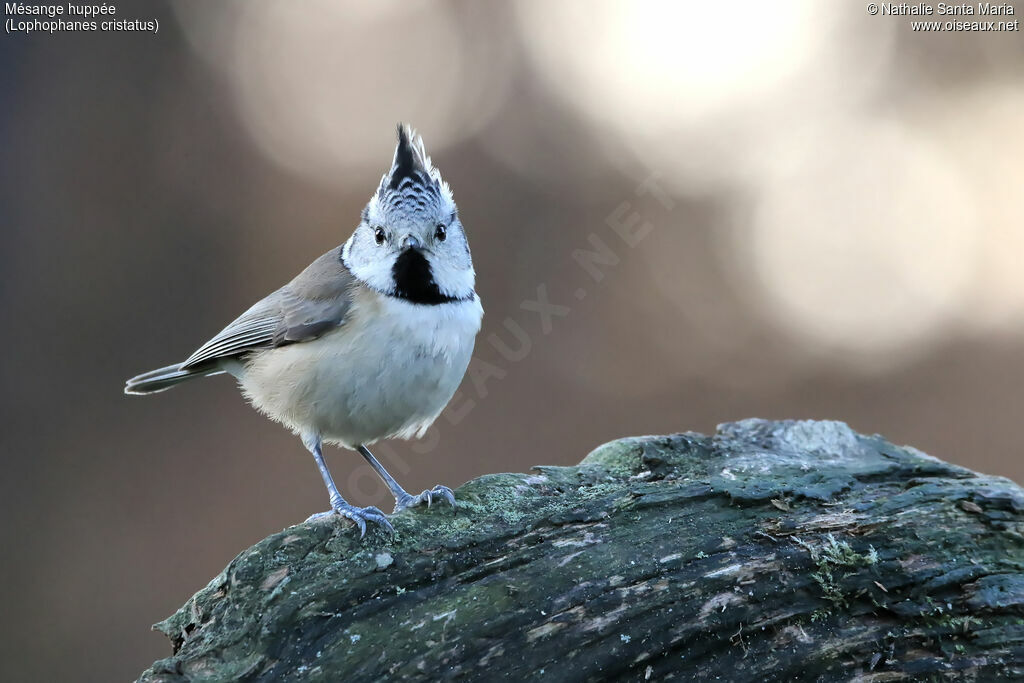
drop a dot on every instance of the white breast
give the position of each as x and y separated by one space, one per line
388 371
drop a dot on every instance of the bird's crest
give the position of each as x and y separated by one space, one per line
411 165
411 158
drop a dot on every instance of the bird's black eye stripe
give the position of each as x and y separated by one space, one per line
440 233
379 235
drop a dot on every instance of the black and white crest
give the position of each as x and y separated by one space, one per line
412 184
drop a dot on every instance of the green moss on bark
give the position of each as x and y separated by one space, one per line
768 551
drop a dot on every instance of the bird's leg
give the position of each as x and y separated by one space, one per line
403 499
339 505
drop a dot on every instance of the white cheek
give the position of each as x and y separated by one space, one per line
376 273
453 280
372 266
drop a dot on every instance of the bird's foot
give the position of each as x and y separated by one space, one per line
440 492
358 515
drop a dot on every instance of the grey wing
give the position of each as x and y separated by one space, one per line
304 309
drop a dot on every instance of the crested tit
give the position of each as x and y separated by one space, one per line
370 341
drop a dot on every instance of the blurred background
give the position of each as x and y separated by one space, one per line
783 210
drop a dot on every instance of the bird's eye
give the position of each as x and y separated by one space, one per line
379 235
440 233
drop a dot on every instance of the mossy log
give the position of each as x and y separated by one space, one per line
771 551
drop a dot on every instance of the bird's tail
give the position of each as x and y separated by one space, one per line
162 379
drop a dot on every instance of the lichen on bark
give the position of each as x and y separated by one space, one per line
794 550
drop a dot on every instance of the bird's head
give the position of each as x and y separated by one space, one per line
410 242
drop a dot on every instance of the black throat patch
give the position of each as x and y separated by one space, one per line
414 281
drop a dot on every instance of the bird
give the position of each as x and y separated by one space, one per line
369 342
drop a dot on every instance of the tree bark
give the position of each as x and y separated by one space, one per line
771 551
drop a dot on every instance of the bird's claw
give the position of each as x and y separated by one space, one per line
439 491
360 516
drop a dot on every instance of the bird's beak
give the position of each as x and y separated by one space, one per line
410 242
